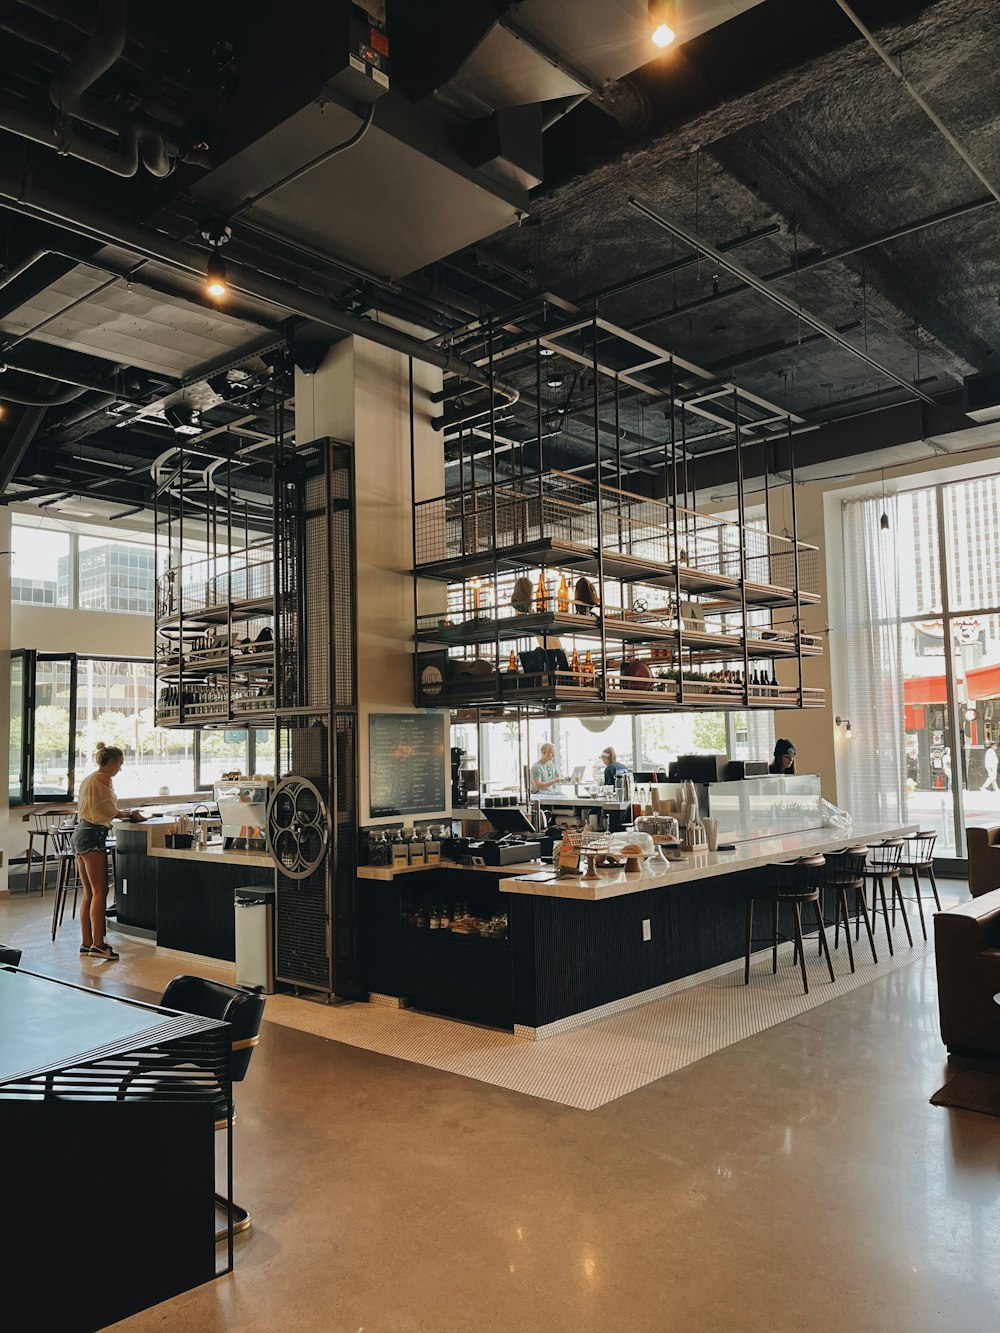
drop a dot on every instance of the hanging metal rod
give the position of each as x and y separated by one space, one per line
677 265
786 303
928 110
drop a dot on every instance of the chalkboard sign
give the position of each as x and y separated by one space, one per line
406 763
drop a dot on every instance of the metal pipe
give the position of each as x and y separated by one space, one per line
26 193
786 303
676 265
820 258
40 399
928 111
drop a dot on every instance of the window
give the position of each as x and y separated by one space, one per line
69 569
39 566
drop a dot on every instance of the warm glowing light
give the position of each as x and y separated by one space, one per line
663 35
215 276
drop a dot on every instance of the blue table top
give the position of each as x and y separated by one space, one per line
46 1024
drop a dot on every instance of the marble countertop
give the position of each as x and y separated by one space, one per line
613 883
388 873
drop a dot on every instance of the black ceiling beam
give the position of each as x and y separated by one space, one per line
786 303
677 265
19 443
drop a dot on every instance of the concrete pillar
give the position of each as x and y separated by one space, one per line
5 647
360 395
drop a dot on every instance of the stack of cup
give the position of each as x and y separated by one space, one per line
711 827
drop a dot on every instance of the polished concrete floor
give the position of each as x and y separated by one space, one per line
797 1180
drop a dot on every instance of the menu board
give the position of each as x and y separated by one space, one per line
406 763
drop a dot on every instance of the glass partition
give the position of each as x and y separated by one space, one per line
766 807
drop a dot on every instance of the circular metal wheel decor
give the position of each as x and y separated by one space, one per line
298 827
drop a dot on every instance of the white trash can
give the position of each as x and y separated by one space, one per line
254 910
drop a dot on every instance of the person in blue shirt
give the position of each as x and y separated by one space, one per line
611 766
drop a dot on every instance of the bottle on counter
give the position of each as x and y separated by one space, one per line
434 917
399 854
416 854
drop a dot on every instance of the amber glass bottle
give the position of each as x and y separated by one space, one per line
562 596
541 593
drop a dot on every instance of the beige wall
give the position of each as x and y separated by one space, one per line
90 633
360 395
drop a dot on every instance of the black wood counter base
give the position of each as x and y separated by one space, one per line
561 956
187 903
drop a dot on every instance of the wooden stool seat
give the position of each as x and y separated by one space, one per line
794 883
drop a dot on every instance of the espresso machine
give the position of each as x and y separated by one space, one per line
459 799
242 806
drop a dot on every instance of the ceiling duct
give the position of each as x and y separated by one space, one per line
982 396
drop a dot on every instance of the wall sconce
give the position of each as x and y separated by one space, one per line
845 722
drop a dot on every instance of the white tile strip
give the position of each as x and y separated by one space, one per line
589 1066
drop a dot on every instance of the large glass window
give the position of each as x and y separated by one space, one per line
40 566
16 775
923 650
52 774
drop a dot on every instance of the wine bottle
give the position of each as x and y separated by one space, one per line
562 596
541 593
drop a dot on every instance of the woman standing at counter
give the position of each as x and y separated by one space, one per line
784 758
98 805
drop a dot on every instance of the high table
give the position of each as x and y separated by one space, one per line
110 1164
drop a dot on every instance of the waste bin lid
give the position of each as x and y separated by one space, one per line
254 893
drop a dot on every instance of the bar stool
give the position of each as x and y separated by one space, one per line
795 883
918 854
885 861
45 821
68 877
845 871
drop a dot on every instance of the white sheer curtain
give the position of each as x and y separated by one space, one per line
877 768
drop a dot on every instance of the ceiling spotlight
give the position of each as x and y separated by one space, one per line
554 381
546 351
215 276
217 232
182 418
661 16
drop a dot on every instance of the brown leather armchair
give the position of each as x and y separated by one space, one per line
967 953
984 859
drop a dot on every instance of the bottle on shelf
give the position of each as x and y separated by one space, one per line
541 593
588 664
574 665
562 595
512 663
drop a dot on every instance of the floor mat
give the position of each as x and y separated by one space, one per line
972 1090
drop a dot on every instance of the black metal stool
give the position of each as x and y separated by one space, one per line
46 822
885 860
918 854
845 871
795 883
68 877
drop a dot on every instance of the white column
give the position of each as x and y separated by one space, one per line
360 395
5 646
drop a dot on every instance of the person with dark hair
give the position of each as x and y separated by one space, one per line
611 765
784 758
97 806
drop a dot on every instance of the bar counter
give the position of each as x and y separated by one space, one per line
571 946
189 907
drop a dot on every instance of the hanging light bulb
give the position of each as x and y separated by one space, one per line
661 17
215 276
884 520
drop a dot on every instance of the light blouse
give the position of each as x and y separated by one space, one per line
97 802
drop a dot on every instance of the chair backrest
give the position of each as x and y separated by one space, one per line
845 867
799 877
887 856
240 1006
9 956
47 820
920 848
62 841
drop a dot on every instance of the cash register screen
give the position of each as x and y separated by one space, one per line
508 819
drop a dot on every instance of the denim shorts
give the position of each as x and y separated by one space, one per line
89 837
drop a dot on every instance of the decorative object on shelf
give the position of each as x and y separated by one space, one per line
541 593
512 667
562 595
521 596
637 674
431 679
471 668
586 598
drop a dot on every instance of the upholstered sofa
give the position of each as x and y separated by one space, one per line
967 951
984 859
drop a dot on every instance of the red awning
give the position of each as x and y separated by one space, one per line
980 683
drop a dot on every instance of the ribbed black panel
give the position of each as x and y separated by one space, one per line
317 920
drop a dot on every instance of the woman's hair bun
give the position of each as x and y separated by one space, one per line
101 745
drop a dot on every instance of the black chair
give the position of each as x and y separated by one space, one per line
918 854
243 1008
9 956
68 877
885 861
792 883
844 873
